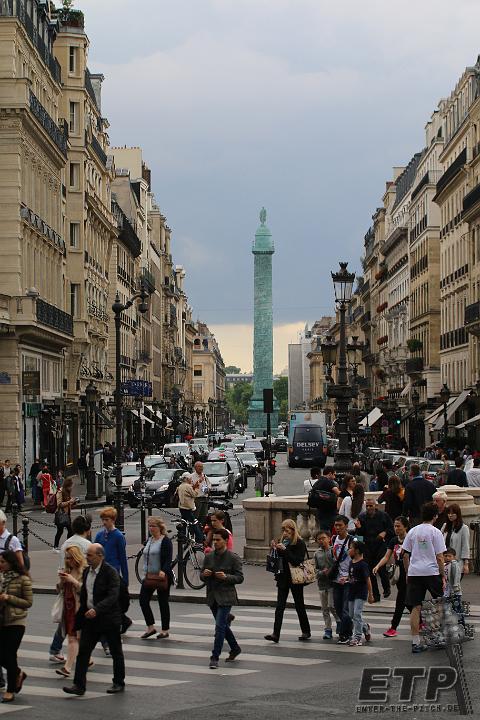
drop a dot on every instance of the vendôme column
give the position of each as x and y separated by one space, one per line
263 249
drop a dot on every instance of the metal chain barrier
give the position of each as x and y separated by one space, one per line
32 532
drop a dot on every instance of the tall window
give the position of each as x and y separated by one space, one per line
75 175
72 59
197 370
74 234
74 118
74 299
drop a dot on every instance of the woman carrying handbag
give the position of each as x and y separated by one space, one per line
69 587
292 552
157 566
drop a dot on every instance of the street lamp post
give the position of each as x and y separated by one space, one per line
139 405
415 399
91 397
155 408
118 308
341 391
445 397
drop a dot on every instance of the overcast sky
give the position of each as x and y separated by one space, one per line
302 106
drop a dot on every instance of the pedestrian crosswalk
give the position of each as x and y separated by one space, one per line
182 659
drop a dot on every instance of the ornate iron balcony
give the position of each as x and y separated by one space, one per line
472 318
54 317
53 131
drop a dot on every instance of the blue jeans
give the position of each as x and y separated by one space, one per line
222 630
340 601
57 642
355 609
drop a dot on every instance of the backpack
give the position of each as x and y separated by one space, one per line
320 498
51 506
373 487
26 559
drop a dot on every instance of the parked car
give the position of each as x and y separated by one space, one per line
250 461
130 473
280 443
160 488
221 478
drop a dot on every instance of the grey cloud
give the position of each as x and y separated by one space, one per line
300 105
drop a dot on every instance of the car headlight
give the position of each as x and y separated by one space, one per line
162 488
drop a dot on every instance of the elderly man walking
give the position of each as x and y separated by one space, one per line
200 481
99 615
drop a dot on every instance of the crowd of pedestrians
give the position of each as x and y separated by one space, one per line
410 530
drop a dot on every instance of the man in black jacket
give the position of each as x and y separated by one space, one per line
376 527
458 476
418 492
99 615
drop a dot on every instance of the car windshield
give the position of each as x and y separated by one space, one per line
163 475
215 469
175 449
234 465
130 471
253 445
247 456
154 460
308 433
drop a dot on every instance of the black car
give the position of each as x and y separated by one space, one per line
280 443
256 447
240 472
160 488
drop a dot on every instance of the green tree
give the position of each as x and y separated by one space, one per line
232 370
280 390
238 397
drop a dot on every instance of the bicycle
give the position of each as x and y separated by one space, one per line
192 561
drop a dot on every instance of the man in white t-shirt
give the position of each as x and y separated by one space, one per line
9 541
473 475
339 577
423 550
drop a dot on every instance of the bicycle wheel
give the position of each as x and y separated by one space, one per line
139 566
192 566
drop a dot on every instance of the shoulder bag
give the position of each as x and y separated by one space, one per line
57 609
274 563
332 573
153 581
305 573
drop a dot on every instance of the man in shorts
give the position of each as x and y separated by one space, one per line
423 550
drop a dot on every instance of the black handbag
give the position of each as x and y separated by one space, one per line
274 563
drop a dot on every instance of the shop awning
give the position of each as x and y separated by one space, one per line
473 421
372 417
104 420
406 389
159 415
408 414
451 409
430 419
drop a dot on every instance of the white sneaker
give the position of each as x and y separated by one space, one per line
56 550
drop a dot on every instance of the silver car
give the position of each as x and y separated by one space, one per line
221 478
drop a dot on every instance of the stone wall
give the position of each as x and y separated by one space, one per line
264 517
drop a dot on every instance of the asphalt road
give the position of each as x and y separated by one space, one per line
286 481
168 679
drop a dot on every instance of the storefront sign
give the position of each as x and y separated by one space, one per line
137 388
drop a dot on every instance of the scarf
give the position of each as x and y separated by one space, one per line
5 579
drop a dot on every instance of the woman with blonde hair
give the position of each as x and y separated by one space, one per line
70 584
292 551
158 576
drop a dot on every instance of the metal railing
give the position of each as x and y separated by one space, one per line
54 317
48 124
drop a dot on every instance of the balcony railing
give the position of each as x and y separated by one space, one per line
99 151
452 171
18 9
414 365
97 312
48 124
148 278
471 198
54 317
472 318
366 318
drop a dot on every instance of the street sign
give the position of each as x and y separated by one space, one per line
137 388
